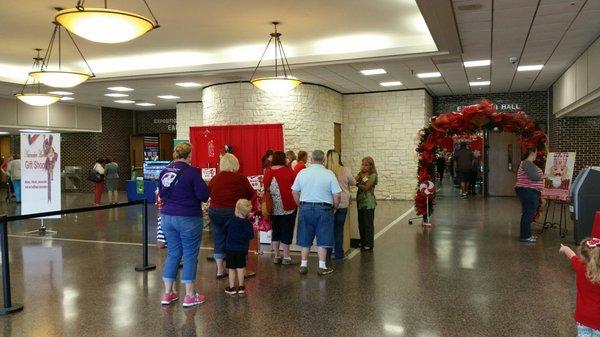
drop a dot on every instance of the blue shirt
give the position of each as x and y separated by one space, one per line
182 197
239 233
316 184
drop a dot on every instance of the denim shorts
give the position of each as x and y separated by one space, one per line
315 220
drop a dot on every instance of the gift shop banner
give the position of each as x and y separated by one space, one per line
559 175
248 142
40 173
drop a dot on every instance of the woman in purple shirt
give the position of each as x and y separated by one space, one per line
181 190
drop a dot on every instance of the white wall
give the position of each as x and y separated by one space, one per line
384 126
381 125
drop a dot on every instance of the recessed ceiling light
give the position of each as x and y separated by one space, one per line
479 83
124 101
4 132
477 63
429 75
34 131
168 97
145 104
62 93
369 72
532 67
120 89
189 84
116 94
390 84
66 98
478 78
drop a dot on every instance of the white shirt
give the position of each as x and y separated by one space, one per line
316 184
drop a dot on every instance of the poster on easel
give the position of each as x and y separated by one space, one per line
40 173
559 175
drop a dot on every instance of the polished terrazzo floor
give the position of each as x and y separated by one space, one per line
468 276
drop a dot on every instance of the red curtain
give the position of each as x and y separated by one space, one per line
249 142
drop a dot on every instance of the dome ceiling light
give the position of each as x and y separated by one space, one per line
105 25
36 97
277 84
60 78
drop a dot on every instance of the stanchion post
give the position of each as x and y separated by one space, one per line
8 307
145 265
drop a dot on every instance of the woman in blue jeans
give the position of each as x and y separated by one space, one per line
345 179
226 188
530 181
181 190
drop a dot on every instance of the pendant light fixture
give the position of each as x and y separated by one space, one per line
60 78
105 25
36 97
279 83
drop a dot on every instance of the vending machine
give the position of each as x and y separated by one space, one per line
585 201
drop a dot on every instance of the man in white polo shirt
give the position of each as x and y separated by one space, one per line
317 192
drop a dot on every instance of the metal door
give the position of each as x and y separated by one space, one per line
504 157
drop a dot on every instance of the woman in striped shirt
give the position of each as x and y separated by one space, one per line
530 181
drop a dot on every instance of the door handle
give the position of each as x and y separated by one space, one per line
510 156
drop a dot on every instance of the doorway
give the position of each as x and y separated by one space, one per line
503 159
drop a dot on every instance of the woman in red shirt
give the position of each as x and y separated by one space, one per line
587 269
301 164
278 180
225 188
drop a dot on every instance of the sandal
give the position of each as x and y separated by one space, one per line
222 276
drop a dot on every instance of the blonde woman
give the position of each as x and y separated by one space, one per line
366 180
181 190
226 188
345 179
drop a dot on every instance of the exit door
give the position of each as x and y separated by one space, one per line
504 157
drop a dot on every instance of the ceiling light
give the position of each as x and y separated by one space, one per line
105 25
189 84
390 84
35 131
62 93
168 97
4 133
479 83
36 98
369 72
60 78
66 98
145 104
478 63
429 75
279 83
116 94
532 67
120 89
124 101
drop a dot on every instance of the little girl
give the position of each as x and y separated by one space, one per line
587 269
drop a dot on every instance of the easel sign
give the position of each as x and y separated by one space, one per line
559 175
256 182
209 173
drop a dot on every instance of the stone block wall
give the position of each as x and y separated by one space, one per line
307 113
384 126
188 114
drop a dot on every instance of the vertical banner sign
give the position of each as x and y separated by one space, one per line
559 175
40 173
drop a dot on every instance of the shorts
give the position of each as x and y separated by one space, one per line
283 228
463 176
235 260
315 220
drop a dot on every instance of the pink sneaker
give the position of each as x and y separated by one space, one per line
169 298
196 299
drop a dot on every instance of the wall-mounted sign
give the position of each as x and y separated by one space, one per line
501 105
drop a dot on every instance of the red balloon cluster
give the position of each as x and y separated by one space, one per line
471 119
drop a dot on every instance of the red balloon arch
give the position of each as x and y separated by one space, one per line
470 119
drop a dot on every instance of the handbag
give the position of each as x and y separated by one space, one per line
267 203
94 176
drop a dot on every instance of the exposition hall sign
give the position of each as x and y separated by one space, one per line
501 106
40 172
